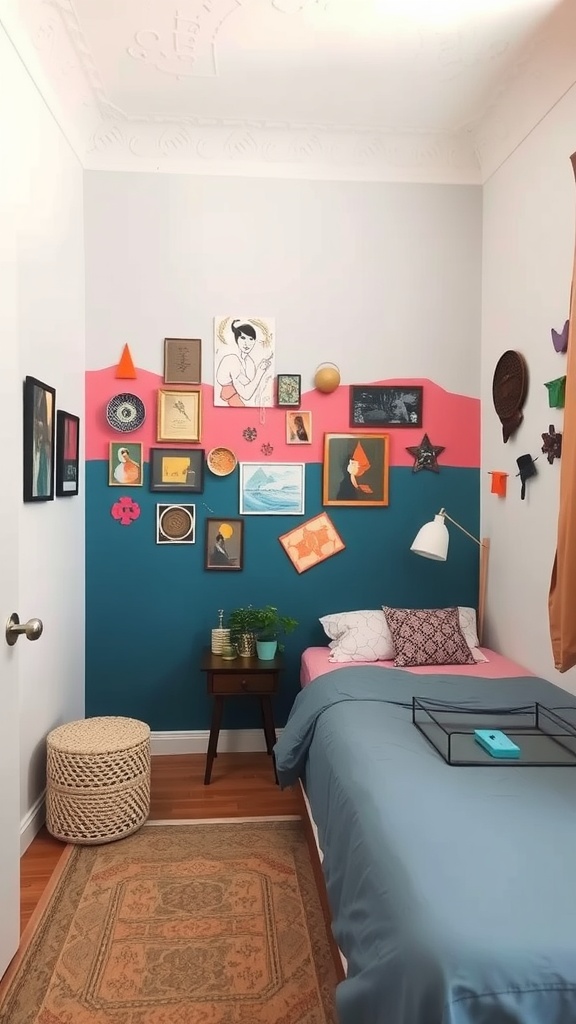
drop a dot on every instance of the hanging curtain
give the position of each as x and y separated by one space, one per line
562 598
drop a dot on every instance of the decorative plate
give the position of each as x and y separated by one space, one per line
176 522
509 387
221 461
125 412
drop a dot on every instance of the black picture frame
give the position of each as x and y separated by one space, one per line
289 390
39 437
159 478
383 405
67 454
227 553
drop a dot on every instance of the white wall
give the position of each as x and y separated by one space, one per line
49 280
528 240
384 279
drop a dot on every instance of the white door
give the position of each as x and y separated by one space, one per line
10 503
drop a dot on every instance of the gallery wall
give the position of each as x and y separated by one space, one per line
383 280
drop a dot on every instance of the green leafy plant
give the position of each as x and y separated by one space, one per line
265 623
243 620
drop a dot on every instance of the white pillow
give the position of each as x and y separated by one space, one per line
365 635
358 636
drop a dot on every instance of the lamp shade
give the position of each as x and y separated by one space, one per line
431 541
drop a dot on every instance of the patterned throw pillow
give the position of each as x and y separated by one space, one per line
427 636
358 636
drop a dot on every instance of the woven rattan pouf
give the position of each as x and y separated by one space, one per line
97 779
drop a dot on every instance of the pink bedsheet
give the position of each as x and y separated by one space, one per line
315 663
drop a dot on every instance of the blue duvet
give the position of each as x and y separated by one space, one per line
453 890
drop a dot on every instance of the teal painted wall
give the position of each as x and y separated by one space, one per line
150 608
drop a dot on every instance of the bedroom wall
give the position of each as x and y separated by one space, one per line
528 241
382 279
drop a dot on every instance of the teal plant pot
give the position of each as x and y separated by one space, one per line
266 649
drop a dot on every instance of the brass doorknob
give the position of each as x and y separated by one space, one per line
31 629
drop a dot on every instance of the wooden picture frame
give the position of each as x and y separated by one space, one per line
67 453
299 427
355 469
383 405
182 361
288 389
179 415
125 464
177 470
39 440
224 545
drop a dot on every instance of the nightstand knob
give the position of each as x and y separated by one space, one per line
244 684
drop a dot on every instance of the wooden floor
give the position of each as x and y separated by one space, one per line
242 786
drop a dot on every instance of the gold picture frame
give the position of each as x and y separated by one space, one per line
179 415
355 469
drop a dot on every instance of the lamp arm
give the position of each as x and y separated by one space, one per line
444 513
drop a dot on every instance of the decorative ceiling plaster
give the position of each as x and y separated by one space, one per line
350 89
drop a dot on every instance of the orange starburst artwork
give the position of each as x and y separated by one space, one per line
312 542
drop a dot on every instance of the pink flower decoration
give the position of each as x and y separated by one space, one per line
125 510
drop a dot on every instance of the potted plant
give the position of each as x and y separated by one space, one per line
242 623
258 629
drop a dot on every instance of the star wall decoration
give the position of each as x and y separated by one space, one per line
552 446
425 455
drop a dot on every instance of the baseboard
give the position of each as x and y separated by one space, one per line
196 741
32 822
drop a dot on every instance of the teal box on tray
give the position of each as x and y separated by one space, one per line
497 743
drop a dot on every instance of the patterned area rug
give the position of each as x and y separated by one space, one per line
208 923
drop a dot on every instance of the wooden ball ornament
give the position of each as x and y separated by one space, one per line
327 378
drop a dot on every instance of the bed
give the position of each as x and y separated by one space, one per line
452 890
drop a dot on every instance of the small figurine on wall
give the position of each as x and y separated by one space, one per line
527 469
560 338
552 447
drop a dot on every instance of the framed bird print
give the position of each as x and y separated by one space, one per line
179 415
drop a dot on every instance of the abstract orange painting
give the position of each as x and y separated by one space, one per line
312 542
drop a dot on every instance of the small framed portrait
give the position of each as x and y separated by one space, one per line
288 389
355 469
224 548
179 415
299 427
67 453
272 488
182 361
175 524
39 439
125 464
177 469
375 405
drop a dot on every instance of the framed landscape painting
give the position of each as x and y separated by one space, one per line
272 488
376 405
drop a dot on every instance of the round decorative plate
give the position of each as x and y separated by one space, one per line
221 461
509 387
125 412
176 522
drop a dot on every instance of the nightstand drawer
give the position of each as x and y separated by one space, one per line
243 682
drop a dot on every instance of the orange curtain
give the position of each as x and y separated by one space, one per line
562 597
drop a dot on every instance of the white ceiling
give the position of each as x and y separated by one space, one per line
372 89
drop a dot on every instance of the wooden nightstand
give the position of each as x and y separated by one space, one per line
248 677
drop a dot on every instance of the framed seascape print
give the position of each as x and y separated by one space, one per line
182 361
272 488
299 427
179 415
355 469
376 405
175 524
125 464
177 469
39 438
288 388
224 550
244 349
313 542
67 453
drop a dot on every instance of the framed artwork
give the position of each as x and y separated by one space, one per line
244 361
182 361
272 488
376 405
299 427
311 543
39 438
355 469
224 547
288 388
125 467
175 524
179 415
67 453
177 469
